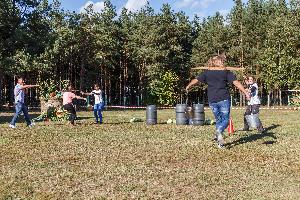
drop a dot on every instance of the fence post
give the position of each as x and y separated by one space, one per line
138 100
124 101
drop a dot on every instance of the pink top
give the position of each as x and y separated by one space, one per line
67 97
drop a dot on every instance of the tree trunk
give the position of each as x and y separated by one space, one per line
241 44
269 98
101 77
106 85
1 89
280 98
82 71
11 91
120 82
241 99
110 89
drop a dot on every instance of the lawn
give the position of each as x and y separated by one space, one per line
122 160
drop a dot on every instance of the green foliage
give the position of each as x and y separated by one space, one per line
50 89
211 39
164 89
52 114
127 54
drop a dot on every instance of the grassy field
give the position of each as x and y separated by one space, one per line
122 160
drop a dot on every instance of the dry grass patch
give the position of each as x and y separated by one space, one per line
122 160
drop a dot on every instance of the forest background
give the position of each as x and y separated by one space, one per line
146 56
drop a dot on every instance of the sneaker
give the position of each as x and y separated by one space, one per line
220 141
214 138
95 122
12 126
31 125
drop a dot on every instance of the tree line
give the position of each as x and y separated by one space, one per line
146 56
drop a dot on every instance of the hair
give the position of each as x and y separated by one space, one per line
254 79
214 61
96 85
71 88
19 77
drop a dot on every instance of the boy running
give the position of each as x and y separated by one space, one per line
19 93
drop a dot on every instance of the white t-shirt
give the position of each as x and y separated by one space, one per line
98 96
254 98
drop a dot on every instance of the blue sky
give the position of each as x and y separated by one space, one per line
202 8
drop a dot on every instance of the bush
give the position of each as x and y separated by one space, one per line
164 88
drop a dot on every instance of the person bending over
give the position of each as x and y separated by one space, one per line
68 97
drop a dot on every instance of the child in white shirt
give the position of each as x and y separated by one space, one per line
98 103
253 103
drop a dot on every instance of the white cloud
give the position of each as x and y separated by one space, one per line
97 7
193 3
135 5
206 3
224 12
186 3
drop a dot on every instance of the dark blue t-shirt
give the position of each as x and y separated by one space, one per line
217 81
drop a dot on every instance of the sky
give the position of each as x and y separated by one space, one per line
203 8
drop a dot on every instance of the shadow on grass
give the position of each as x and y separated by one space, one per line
257 136
7 118
84 117
117 123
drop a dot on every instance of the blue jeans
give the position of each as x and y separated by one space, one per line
221 111
98 111
20 107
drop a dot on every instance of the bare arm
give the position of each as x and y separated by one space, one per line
192 83
241 88
79 97
86 93
28 86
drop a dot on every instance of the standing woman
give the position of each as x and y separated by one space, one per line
253 103
68 97
217 79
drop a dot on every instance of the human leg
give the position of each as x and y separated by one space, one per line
26 115
221 111
215 107
96 113
101 106
18 108
224 114
255 110
216 111
70 108
247 112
